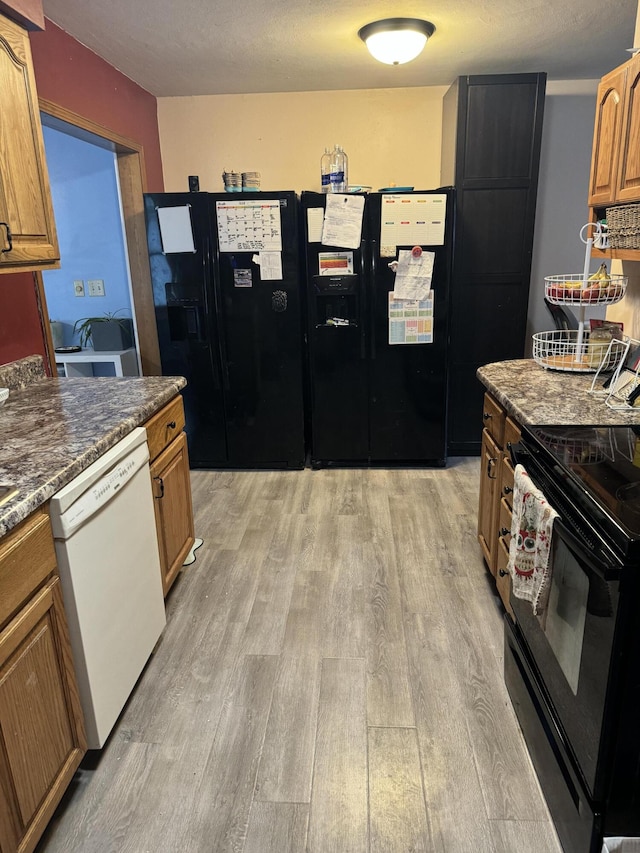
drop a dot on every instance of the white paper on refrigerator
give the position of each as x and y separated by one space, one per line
413 275
343 221
270 266
315 220
176 231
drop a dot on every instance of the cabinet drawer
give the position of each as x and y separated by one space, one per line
504 524
511 433
27 558
506 481
493 417
164 426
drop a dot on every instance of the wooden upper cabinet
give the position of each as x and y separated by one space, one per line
28 237
606 139
628 183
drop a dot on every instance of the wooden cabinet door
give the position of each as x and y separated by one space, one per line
493 418
606 139
173 508
628 182
490 459
28 237
41 726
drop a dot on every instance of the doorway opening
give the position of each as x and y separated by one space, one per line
93 282
131 184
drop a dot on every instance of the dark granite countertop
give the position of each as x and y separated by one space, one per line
540 397
54 428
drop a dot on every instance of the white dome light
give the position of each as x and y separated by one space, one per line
395 41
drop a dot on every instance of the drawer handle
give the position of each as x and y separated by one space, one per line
503 573
171 425
486 416
504 531
507 490
491 462
160 482
9 238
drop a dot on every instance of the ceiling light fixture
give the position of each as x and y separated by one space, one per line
396 40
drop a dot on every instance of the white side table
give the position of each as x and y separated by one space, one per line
124 361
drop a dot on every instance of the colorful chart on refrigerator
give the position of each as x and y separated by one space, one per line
411 320
415 219
249 225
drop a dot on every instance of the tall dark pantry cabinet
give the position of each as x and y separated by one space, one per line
492 128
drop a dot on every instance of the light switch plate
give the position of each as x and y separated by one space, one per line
78 287
96 287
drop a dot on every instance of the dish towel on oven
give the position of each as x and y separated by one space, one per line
531 528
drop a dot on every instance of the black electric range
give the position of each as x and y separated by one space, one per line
573 673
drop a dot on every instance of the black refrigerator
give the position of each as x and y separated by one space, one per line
226 284
378 365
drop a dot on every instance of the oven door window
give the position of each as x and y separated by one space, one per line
570 645
566 613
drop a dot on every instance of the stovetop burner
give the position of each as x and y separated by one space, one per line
604 464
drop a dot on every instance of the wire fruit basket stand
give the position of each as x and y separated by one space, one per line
580 350
576 352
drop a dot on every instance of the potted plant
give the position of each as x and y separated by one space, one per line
107 332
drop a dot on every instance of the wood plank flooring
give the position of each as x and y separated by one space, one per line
329 681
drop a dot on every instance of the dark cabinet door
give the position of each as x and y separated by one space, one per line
494 124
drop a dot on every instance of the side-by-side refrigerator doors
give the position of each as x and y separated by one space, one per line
408 340
260 314
179 243
336 330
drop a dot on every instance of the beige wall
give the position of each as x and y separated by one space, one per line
390 136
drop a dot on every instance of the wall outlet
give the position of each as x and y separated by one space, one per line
96 287
78 287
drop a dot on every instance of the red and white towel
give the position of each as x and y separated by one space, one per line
531 529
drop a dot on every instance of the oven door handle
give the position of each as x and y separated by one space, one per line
597 562
605 565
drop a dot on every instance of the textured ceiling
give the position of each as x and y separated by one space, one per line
199 47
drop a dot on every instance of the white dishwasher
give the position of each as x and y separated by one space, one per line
105 536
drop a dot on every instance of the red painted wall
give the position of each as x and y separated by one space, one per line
73 77
20 330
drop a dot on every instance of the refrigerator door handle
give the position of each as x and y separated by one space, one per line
373 248
217 313
362 300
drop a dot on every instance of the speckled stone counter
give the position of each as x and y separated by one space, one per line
54 428
539 397
19 374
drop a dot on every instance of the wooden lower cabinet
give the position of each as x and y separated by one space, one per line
171 489
503 579
42 737
489 485
496 493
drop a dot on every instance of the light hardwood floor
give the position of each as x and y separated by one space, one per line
329 680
